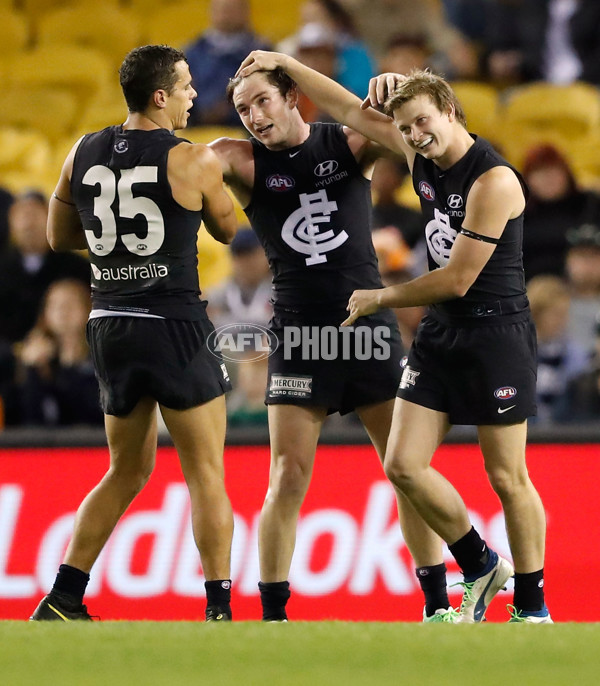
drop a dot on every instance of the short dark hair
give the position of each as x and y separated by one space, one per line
276 77
147 69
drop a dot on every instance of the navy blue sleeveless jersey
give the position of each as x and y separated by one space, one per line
311 209
443 195
142 243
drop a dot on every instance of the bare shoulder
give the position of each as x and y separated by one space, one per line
237 161
232 151
500 179
499 185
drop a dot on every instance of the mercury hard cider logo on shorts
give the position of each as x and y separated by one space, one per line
242 342
290 386
505 392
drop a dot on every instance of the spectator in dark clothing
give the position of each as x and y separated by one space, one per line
556 205
6 200
57 386
582 399
28 266
214 58
550 40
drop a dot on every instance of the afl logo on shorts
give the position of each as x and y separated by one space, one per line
505 393
278 182
121 146
426 190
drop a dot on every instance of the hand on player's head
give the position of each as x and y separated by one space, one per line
380 88
259 60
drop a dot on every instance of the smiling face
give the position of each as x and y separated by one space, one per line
424 128
269 116
181 98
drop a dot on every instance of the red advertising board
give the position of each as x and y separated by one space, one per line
350 562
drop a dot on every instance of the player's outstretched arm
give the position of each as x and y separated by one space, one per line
329 96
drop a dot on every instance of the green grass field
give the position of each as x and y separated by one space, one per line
298 654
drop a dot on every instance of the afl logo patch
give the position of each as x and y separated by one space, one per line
426 190
455 201
278 182
505 393
326 168
121 146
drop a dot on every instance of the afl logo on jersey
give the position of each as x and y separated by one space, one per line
426 190
455 201
505 393
278 182
121 146
326 168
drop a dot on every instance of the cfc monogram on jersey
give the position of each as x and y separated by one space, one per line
306 229
311 208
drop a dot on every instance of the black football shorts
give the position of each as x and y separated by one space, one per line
323 365
480 374
166 359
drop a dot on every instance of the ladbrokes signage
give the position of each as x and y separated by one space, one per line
350 562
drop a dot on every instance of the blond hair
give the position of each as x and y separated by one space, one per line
423 82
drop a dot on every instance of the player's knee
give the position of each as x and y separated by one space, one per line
290 482
398 473
507 484
130 480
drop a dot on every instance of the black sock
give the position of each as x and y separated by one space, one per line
471 553
433 584
529 591
274 597
218 592
71 582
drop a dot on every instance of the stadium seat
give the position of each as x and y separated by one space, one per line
111 30
176 24
82 71
106 108
214 260
24 158
46 108
585 159
14 31
541 112
207 134
480 103
275 24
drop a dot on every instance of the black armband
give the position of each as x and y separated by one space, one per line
479 237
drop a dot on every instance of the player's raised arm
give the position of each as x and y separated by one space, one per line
331 97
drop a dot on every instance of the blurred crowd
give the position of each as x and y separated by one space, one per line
46 376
